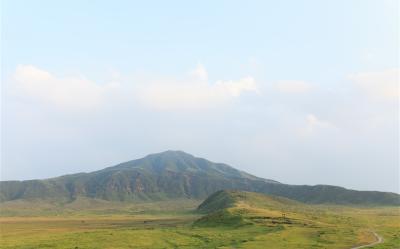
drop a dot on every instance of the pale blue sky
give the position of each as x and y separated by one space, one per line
304 92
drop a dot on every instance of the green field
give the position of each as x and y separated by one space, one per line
247 221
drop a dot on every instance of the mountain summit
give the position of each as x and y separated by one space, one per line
176 174
179 162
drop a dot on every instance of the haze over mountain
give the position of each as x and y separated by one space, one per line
173 175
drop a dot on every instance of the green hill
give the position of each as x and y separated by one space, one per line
237 208
277 222
229 198
177 175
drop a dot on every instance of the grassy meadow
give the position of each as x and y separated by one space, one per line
177 224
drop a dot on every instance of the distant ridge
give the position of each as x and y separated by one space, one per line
176 174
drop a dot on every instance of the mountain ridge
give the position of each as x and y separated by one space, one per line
176 174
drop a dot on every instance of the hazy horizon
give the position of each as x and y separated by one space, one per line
300 92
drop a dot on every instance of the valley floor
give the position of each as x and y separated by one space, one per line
149 227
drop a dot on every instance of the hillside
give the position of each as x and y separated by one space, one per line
224 199
283 223
237 208
177 175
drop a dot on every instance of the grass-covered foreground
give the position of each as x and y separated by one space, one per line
227 220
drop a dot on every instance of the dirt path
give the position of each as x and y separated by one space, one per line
379 240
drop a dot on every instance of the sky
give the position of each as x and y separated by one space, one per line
302 92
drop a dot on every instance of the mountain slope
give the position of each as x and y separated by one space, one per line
171 174
176 174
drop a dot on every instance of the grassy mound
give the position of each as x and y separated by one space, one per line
232 198
222 217
219 200
238 208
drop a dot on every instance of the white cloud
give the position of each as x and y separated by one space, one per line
235 87
200 72
293 86
194 94
74 92
382 84
314 125
78 93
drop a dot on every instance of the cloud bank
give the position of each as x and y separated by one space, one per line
380 84
69 92
293 86
194 92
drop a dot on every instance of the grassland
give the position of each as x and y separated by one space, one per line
247 221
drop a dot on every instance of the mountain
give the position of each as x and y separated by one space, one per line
173 175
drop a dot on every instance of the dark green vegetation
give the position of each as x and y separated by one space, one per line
176 175
227 219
